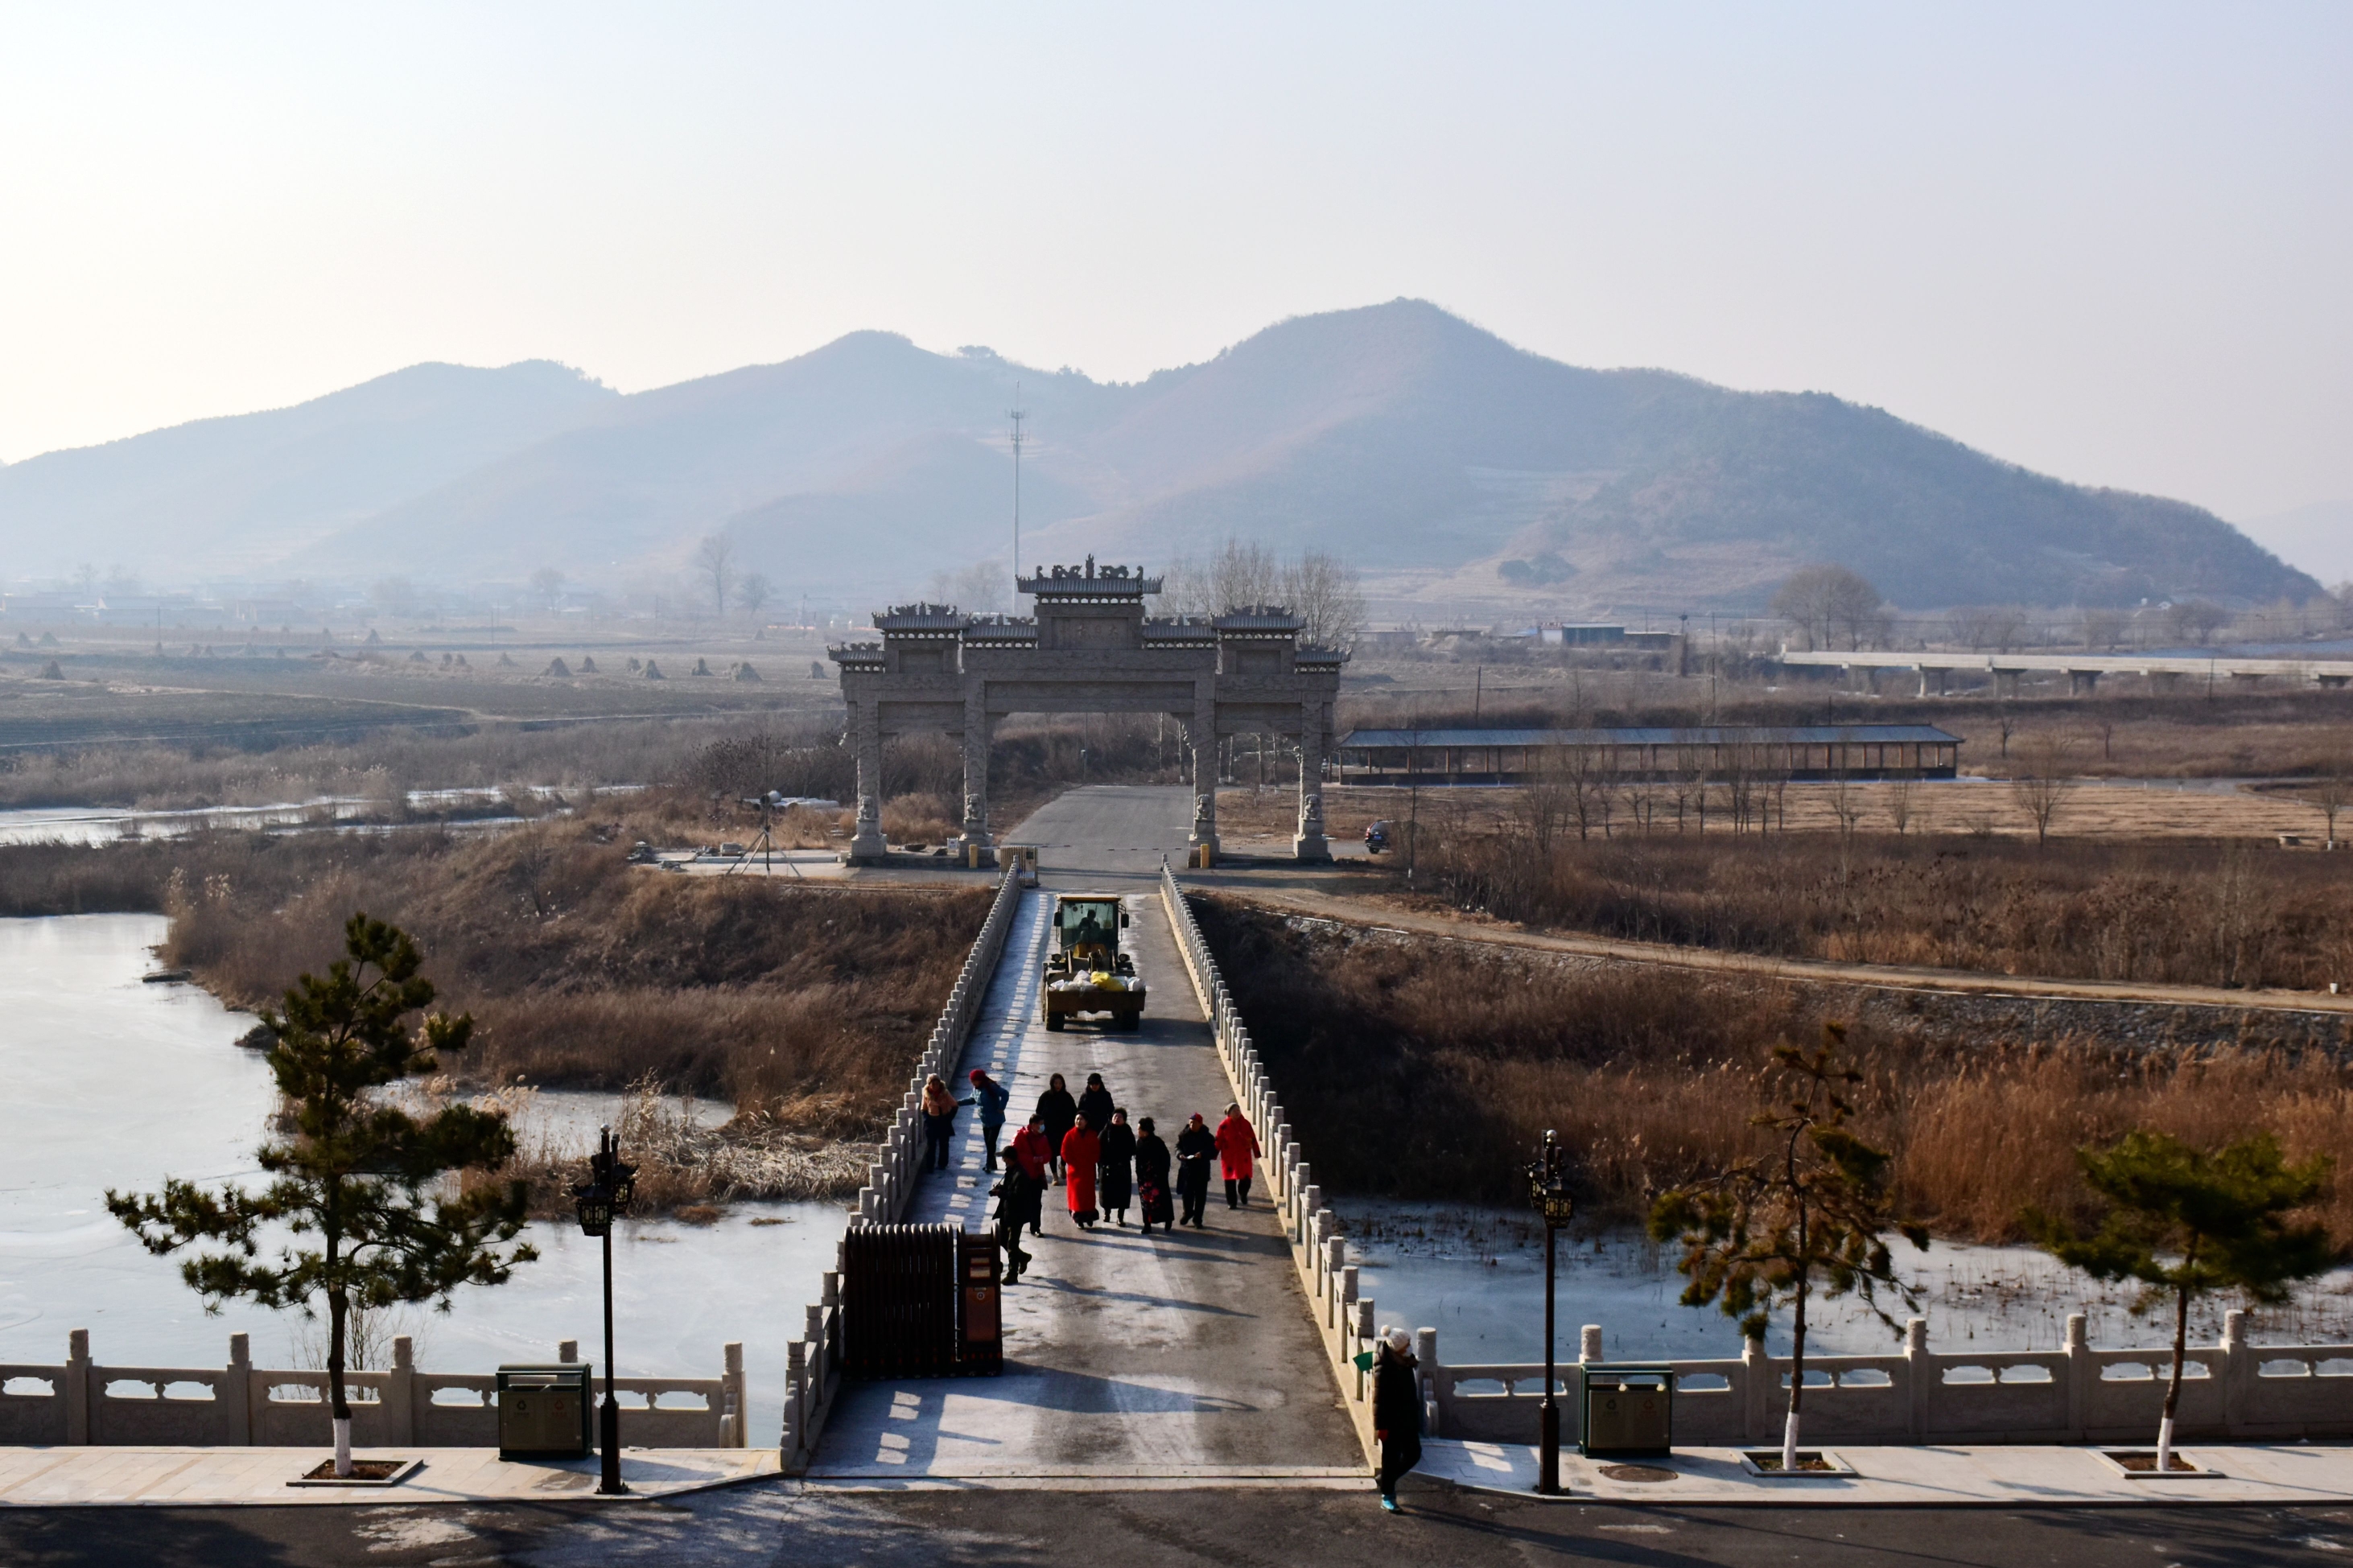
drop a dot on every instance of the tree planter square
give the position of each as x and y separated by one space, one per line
364 1473
2140 1464
1813 1464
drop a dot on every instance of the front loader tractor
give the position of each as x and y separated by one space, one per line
1086 971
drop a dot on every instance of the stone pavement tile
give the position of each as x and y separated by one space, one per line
1935 1476
63 1477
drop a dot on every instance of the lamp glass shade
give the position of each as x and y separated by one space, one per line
595 1213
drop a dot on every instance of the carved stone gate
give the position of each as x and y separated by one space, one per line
1089 649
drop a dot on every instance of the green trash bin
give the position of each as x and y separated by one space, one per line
543 1411
1626 1410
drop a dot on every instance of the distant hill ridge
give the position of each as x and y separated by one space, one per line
1430 453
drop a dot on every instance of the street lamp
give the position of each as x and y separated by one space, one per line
1548 1190
600 1199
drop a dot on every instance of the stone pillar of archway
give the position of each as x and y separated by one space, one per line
1309 844
975 776
866 745
1204 735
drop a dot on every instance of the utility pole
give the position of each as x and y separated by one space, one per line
1019 441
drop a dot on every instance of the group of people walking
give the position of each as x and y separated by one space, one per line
1105 1165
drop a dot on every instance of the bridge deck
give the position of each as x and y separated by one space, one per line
1185 1355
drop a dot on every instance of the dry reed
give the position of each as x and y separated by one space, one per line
1413 1069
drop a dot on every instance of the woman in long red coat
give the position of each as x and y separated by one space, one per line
1237 1147
1081 1151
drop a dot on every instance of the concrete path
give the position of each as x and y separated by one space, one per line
1943 1476
1174 1356
184 1477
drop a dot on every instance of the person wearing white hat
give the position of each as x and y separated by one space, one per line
1397 1411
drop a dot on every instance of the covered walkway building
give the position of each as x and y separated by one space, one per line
1516 756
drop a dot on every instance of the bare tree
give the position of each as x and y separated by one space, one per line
547 583
1825 600
2102 629
714 560
2042 782
1244 576
1544 803
1325 592
752 591
2195 621
2332 791
978 589
1899 800
1583 786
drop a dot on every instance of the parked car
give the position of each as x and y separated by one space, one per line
1377 837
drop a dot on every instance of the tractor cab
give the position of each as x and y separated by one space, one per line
1086 969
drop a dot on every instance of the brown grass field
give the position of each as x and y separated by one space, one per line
1413 1069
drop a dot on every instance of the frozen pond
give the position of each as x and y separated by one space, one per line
109 1082
105 825
1476 1275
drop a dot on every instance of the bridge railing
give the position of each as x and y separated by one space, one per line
241 1404
812 1363
2231 1390
1346 1324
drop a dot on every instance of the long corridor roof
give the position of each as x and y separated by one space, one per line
1711 735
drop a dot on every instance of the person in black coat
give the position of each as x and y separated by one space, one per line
1397 1412
1057 1111
1115 1174
1094 1105
1018 1199
1152 1178
1196 1147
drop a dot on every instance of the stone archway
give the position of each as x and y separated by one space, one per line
1090 648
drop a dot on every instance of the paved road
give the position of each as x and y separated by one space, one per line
1261 1528
1173 1354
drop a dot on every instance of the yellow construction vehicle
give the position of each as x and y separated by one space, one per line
1085 969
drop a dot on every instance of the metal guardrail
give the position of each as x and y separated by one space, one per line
813 1362
1345 1323
241 1405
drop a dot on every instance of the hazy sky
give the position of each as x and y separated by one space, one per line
2108 242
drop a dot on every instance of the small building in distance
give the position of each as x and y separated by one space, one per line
1516 756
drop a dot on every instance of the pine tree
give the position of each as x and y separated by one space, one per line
2183 1223
1810 1217
360 1209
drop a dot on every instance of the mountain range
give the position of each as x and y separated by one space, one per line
1449 465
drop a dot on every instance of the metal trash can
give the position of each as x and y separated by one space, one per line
1626 1410
543 1411
980 1338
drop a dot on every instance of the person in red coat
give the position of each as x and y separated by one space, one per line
1081 1151
1237 1147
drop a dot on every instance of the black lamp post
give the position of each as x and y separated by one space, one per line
1548 1190
600 1199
